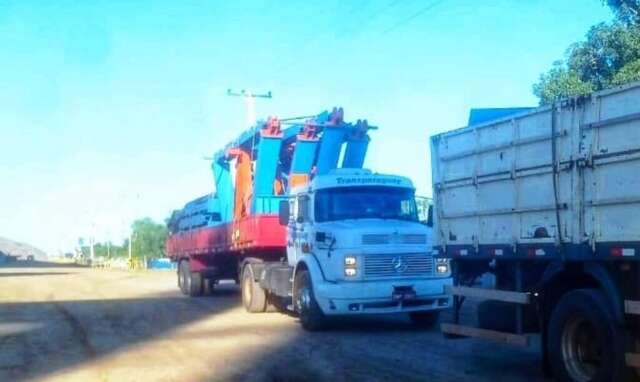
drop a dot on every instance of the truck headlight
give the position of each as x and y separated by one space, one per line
443 267
350 266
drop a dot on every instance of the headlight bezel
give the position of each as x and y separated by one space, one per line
442 267
350 266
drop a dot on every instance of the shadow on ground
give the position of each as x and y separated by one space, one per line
63 335
90 329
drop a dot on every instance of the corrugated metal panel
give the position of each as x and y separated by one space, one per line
494 183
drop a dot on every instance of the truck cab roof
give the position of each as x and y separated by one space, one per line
352 177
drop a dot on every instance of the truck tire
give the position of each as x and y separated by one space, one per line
584 342
196 284
305 304
190 283
183 269
425 320
254 297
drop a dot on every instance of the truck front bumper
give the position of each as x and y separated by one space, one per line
381 296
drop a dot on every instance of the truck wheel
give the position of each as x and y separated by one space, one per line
311 317
254 297
425 319
183 270
196 284
584 342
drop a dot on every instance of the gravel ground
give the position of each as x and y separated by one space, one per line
62 323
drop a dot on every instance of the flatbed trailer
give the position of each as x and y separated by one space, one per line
547 203
213 236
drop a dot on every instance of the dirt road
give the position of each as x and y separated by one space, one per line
79 324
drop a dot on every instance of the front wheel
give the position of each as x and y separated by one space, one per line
311 317
425 319
584 342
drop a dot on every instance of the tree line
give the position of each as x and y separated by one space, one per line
609 56
148 241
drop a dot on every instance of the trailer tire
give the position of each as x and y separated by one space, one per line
305 304
426 320
183 269
585 314
254 297
196 284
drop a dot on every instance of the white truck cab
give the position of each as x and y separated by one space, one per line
356 246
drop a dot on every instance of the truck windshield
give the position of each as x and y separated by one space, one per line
376 202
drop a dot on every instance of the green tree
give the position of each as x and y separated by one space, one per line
148 238
626 11
628 73
560 82
608 56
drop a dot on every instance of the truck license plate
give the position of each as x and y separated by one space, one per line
403 293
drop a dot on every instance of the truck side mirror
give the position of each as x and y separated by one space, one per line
283 212
430 216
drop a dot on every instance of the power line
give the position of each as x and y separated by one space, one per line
413 16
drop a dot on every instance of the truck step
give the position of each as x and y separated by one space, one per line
633 360
503 337
490 294
632 307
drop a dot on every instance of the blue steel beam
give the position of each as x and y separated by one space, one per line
224 188
333 136
267 158
357 144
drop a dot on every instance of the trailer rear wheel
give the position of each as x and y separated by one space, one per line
183 270
311 317
254 297
196 284
584 342
190 283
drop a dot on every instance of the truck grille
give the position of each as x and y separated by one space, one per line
379 239
397 265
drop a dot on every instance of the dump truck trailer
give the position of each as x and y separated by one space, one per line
547 203
298 222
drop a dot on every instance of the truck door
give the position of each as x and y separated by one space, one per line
298 228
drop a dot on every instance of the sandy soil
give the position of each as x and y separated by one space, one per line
78 324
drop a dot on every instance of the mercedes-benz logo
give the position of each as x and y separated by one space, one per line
399 265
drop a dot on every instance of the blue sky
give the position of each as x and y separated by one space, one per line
108 107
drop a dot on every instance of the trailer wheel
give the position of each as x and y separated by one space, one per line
196 284
425 319
584 342
311 317
183 269
254 297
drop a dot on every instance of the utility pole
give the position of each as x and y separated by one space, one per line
249 100
91 252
